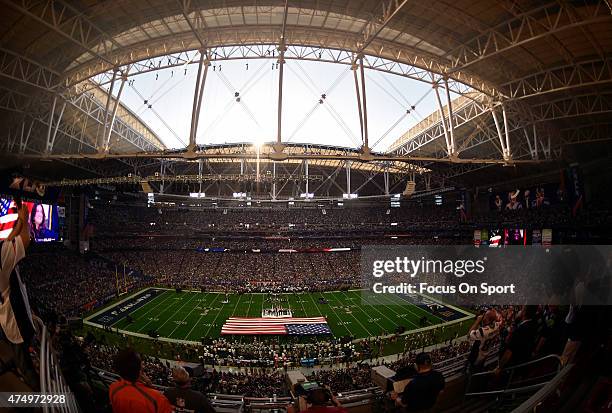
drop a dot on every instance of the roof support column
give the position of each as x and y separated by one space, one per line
10 142
306 173
51 137
449 149
258 148
197 98
386 179
348 177
546 149
360 92
535 141
51 122
23 144
114 115
273 180
503 138
281 61
200 167
365 108
162 171
279 115
533 147
452 153
507 155
100 143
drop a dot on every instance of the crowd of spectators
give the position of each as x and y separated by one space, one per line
266 353
242 272
359 375
257 383
69 283
102 356
160 220
305 220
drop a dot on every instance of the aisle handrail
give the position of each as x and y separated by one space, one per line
51 378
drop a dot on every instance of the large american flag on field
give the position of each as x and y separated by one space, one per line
276 325
8 217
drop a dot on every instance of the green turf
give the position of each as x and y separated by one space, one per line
192 315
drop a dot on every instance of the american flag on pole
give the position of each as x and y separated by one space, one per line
276 326
8 217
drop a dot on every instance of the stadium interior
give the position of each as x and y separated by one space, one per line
192 191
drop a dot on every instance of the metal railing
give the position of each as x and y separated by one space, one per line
522 378
549 390
51 378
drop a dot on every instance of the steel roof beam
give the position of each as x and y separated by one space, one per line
266 156
69 23
575 106
373 27
316 54
537 23
581 105
252 37
85 104
24 70
462 115
561 78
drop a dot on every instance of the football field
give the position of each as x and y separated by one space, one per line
191 316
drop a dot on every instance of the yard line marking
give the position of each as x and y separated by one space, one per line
302 305
393 322
262 305
171 296
152 308
219 313
193 295
186 317
356 319
414 305
340 320
236 306
201 316
407 304
250 302
162 312
396 313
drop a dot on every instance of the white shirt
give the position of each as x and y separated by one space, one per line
12 252
487 336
